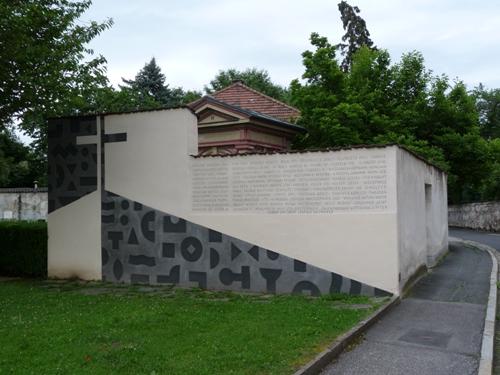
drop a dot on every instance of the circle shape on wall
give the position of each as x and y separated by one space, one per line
191 249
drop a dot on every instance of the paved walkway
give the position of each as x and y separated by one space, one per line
437 330
493 240
490 239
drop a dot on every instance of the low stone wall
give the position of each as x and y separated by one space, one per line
483 216
23 204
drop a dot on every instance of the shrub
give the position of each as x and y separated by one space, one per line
23 248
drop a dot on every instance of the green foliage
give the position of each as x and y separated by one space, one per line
378 102
433 154
98 328
23 248
17 162
470 164
151 91
257 79
47 67
108 99
488 106
45 60
490 189
356 36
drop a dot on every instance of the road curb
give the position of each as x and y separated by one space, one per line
487 345
324 358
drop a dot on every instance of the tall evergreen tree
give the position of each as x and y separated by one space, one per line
356 36
150 82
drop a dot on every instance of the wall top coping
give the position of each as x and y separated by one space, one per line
332 149
93 114
24 190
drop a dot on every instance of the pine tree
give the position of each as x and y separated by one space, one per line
356 35
150 81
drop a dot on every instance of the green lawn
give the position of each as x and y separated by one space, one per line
50 327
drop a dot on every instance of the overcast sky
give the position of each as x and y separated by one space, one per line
193 39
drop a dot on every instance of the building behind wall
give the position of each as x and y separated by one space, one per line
360 220
239 119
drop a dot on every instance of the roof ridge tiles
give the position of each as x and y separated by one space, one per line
239 83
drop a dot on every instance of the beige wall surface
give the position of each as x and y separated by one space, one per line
152 166
423 228
74 245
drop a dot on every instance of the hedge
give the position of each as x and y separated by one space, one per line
23 248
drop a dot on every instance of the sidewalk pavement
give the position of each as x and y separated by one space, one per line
436 330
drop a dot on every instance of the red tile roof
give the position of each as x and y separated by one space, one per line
245 97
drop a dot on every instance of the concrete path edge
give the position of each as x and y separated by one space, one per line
324 358
487 345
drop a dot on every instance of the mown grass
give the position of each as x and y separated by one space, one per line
75 328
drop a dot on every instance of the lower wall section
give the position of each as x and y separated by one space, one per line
483 216
73 244
143 245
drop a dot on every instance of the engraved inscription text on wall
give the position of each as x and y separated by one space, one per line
320 182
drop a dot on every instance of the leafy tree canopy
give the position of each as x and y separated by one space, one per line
46 64
488 105
377 101
16 162
255 78
47 67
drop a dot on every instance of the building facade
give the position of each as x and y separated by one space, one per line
239 119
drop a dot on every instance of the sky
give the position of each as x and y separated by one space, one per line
192 39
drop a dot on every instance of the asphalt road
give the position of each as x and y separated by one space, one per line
490 239
436 330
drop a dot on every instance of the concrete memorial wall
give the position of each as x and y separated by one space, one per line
312 222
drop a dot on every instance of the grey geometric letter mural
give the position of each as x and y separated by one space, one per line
143 245
72 167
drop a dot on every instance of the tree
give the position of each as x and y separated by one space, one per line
150 82
257 79
108 99
16 162
490 188
470 164
45 61
356 36
378 102
488 106
321 99
47 68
